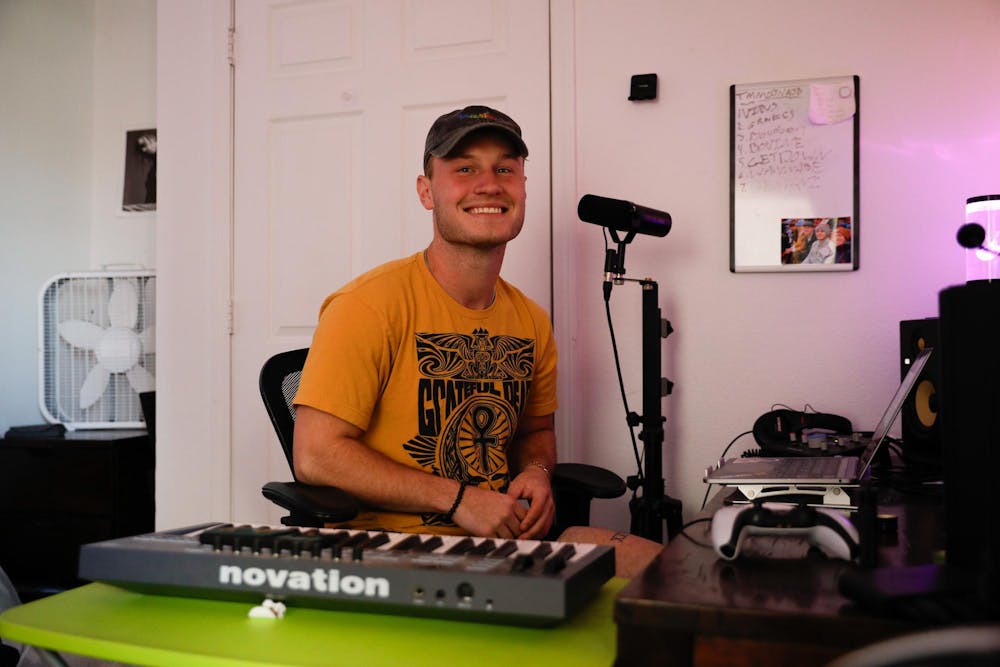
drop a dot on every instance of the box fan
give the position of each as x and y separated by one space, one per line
96 348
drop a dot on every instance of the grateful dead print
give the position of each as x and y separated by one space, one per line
471 390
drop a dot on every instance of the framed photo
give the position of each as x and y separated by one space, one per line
139 190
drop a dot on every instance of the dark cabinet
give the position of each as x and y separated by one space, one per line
59 493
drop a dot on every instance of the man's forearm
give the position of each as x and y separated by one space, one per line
534 444
329 452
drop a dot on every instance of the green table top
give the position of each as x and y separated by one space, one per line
111 623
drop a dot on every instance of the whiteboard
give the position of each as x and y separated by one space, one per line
794 175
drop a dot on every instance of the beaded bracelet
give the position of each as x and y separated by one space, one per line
450 516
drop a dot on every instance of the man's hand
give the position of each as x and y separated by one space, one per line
487 513
534 486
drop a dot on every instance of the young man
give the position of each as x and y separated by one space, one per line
430 386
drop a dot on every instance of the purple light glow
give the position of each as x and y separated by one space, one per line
984 263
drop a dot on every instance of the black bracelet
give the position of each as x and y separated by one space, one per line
450 516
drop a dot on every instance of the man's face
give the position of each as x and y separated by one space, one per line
477 194
820 233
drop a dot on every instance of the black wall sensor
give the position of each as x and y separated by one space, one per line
643 87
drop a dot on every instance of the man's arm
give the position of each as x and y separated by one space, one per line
532 458
329 451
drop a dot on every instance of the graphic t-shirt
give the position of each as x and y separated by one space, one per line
434 385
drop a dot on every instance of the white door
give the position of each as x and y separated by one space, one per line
332 103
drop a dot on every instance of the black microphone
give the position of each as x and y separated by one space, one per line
972 236
623 216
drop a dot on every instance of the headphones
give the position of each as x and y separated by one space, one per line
781 430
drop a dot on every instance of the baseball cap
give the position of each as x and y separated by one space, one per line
452 127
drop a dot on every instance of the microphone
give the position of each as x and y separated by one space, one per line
973 236
623 216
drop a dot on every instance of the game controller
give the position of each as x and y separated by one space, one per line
827 529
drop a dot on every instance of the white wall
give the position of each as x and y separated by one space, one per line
124 87
45 176
929 140
74 75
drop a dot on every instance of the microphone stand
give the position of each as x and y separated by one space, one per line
650 509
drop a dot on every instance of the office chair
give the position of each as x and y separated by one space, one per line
960 646
574 485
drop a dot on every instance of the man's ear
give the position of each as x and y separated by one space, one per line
424 192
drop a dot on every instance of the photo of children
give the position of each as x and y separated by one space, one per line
816 240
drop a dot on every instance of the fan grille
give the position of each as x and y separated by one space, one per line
64 367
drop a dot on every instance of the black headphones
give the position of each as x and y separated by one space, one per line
781 430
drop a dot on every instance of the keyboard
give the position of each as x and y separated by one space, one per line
519 582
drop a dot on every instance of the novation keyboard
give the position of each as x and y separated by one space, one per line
517 582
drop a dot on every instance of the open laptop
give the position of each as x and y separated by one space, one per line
820 470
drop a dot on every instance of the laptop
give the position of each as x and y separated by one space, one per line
829 470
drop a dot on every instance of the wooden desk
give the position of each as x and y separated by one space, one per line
775 605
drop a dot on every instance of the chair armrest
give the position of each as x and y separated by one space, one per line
587 480
319 504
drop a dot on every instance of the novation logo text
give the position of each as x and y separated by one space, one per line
319 580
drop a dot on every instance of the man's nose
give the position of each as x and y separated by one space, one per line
487 182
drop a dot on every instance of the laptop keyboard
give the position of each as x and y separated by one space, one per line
798 467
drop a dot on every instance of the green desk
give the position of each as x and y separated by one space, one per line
110 623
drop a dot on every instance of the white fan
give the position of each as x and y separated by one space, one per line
97 348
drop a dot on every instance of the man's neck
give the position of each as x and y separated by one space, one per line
469 275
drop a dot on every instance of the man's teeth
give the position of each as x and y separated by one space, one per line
486 209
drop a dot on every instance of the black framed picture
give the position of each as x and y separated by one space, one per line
139 191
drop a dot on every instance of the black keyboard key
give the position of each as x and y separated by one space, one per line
483 548
430 544
522 563
504 550
407 543
464 545
377 541
542 550
557 562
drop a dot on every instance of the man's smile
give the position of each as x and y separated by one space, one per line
485 209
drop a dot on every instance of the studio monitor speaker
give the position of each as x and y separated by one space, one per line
969 327
920 421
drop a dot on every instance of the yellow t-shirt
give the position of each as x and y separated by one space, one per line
434 385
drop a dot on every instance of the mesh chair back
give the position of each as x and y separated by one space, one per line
279 380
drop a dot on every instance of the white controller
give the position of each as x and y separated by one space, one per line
827 529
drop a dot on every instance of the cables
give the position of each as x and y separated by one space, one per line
621 387
684 528
618 370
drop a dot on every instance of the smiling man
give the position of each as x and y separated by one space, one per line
430 386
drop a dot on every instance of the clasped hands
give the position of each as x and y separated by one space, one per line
487 513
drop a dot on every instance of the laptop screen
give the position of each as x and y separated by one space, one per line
891 412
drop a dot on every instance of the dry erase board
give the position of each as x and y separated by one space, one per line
793 193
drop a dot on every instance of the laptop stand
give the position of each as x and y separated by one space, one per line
834 496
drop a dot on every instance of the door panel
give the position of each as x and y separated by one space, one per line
333 101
